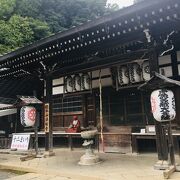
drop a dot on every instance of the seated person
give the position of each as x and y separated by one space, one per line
74 126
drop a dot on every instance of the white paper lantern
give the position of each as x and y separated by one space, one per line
163 105
134 73
69 84
85 81
123 75
146 70
28 116
77 82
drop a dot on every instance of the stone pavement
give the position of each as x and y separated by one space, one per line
64 165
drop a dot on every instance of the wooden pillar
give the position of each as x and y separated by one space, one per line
36 125
161 142
177 98
48 104
174 64
84 106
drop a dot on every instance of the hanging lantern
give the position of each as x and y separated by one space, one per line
163 105
134 73
123 75
28 116
77 82
68 84
146 70
85 81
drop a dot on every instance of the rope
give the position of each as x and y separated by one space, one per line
100 106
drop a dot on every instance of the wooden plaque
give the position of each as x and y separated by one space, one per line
46 117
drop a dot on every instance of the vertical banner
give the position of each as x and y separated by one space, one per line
46 118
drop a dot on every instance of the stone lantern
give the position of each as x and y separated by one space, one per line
89 158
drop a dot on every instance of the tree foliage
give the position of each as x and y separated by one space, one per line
6 8
25 21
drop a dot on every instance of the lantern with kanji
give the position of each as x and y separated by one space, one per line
163 105
77 83
134 73
68 84
146 70
123 75
85 81
28 116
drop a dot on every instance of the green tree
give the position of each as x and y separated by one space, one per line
6 8
29 8
25 21
14 33
63 14
40 29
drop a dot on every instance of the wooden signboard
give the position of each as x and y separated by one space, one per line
46 117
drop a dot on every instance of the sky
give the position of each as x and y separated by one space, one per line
121 3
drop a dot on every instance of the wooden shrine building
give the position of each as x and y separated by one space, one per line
119 52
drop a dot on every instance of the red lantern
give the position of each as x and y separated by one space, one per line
28 116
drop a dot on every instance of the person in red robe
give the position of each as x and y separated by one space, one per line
75 126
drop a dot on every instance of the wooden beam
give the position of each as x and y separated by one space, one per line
28 157
167 173
99 63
